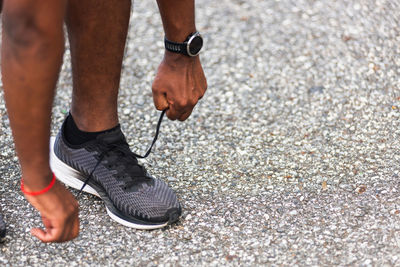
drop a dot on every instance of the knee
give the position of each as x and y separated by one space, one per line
29 22
21 26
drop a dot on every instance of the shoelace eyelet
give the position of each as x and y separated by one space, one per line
106 154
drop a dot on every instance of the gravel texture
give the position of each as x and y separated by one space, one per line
292 158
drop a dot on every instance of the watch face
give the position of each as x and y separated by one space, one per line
195 45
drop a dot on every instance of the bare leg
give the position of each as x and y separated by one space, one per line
97 33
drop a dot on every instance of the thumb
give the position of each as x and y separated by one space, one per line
160 101
41 234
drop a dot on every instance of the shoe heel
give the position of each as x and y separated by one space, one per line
66 174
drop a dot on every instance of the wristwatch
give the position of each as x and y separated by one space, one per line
190 47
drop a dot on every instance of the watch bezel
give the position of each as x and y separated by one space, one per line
196 34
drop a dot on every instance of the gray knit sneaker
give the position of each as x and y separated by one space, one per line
107 168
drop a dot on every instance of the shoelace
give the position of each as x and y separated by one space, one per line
111 147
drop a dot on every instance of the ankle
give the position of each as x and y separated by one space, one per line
94 123
75 136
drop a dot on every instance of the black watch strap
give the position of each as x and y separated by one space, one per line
176 47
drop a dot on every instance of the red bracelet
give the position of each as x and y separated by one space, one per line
38 192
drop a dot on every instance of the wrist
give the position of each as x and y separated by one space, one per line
33 182
40 192
176 57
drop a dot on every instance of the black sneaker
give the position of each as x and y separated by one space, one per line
2 229
107 168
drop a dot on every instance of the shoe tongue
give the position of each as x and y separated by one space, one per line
111 137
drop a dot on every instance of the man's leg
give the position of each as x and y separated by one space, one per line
97 33
90 152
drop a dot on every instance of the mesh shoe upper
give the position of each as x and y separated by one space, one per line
115 169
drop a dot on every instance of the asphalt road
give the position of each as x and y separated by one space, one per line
292 157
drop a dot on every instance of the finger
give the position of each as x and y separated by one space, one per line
172 113
50 234
71 226
44 236
185 115
67 235
203 90
201 95
76 224
46 222
75 229
160 101
201 81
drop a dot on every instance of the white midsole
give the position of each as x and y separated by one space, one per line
66 174
134 225
73 178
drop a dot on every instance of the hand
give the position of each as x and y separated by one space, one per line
179 84
59 210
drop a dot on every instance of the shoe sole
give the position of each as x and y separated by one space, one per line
74 179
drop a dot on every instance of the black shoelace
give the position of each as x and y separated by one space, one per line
111 147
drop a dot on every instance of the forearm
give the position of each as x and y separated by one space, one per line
178 17
31 57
